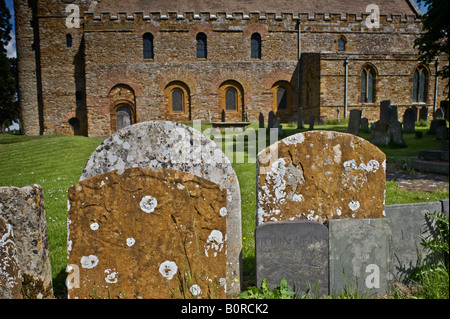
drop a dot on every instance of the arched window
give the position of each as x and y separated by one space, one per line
177 100
231 99
420 80
68 40
341 44
281 98
368 84
123 116
201 46
256 46
147 39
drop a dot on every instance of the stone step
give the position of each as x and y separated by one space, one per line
437 167
434 155
444 145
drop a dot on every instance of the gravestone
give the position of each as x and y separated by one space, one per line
10 276
320 175
261 120
277 125
147 233
354 122
438 114
435 124
379 133
396 133
360 256
299 118
416 112
311 122
24 209
364 124
164 144
423 113
408 121
385 111
271 120
222 116
394 116
409 226
296 251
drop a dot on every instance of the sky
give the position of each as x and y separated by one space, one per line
11 48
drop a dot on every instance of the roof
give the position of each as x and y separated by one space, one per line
388 7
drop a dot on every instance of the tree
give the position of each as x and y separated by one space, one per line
9 109
433 42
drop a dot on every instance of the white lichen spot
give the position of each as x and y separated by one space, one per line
195 290
111 277
89 262
353 205
214 242
168 269
130 241
223 212
338 212
294 139
297 198
148 204
126 145
102 184
180 186
94 226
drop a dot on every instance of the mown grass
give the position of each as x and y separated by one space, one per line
56 162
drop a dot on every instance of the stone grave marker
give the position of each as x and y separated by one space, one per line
379 133
24 209
409 225
360 256
354 122
164 144
438 114
394 117
311 122
408 121
423 113
299 118
147 233
435 124
271 120
385 111
10 276
222 116
261 120
396 133
416 112
296 251
320 175
364 124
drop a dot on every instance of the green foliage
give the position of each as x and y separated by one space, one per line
264 292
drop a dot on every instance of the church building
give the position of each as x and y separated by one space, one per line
91 67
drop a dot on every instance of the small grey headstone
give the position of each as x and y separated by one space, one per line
354 122
296 251
396 133
435 124
385 111
299 118
409 225
408 121
311 122
222 116
360 255
364 124
423 113
394 116
416 112
271 120
261 120
445 208
438 114
379 133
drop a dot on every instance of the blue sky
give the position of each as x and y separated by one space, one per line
12 44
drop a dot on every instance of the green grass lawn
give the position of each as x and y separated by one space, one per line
56 162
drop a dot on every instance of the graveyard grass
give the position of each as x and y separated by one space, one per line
56 162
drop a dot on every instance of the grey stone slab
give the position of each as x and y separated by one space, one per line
24 209
296 251
360 256
409 121
165 144
445 208
409 226
354 122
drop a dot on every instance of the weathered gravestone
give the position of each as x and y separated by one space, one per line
311 122
416 112
394 116
23 208
354 122
147 233
360 256
296 251
174 145
10 276
408 121
271 120
364 124
299 118
396 133
222 116
435 124
261 120
410 225
423 113
438 114
385 111
320 175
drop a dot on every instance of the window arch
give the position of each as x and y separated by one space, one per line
341 44
420 84
177 95
231 96
231 99
368 83
282 92
202 51
124 116
147 40
255 46
123 106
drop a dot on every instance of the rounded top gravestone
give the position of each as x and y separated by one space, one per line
320 175
165 144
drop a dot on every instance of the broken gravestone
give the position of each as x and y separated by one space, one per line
164 144
147 233
320 175
23 208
